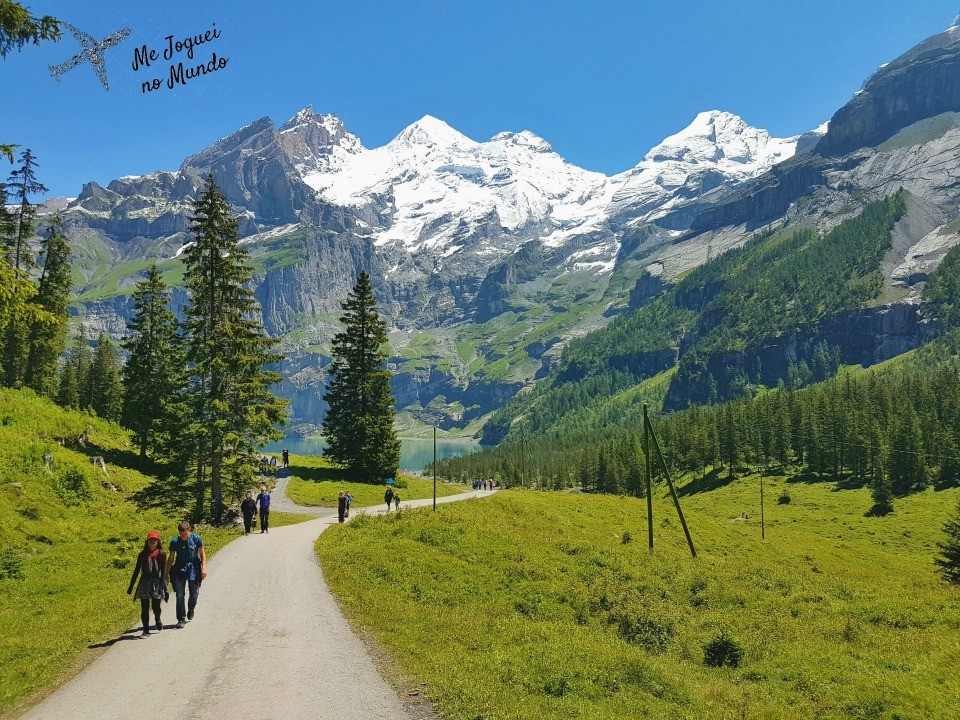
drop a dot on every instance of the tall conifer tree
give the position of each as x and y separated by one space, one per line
233 411
358 427
106 388
48 337
154 376
22 185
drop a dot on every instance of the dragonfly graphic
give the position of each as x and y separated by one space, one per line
92 52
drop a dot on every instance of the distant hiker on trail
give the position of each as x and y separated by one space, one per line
396 501
264 500
273 461
388 497
349 497
186 568
248 508
341 506
286 458
152 568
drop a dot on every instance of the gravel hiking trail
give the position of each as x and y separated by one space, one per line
268 643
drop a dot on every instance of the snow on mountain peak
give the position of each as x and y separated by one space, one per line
716 136
432 186
524 137
716 148
431 132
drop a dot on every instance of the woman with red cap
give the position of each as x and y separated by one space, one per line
152 568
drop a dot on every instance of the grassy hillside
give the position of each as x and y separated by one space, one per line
316 481
68 538
549 605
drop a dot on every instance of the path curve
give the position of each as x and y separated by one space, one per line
268 643
281 502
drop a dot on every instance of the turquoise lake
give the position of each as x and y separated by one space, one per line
414 454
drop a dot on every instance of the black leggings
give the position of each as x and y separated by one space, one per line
145 612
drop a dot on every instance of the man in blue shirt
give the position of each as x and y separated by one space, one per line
186 568
264 499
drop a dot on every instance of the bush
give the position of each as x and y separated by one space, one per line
11 565
784 498
649 634
626 538
722 650
73 487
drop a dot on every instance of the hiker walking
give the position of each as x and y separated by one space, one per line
388 497
396 501
186 568
341 506
248 508
264 501
152 568
286 458
349 497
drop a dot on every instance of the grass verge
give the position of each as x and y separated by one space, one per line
549 605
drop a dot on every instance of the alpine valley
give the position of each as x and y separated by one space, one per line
490 258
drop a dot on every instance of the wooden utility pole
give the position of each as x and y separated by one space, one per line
763 530
523 458
646 452
434 468
673 490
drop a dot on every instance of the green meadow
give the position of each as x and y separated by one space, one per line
68 540
549 605
318 482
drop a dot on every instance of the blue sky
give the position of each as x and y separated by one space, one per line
601 81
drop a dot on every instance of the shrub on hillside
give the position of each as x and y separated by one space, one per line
11 564
784 498
722 650
650 634
949 560
73 487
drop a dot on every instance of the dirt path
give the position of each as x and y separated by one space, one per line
268 643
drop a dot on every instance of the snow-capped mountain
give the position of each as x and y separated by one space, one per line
439 184
454 231
717 148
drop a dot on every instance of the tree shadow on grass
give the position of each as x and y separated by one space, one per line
317 474
114 457
713 480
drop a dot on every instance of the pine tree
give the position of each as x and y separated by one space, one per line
106 388
23 185
68 394
949 560
154 376
48 338
75 377
232 409
358 427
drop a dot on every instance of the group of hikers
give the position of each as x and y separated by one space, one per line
392 496
483 484
248 508
269 462
184 566
343 505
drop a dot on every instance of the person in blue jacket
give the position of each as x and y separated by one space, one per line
186 568
263 499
